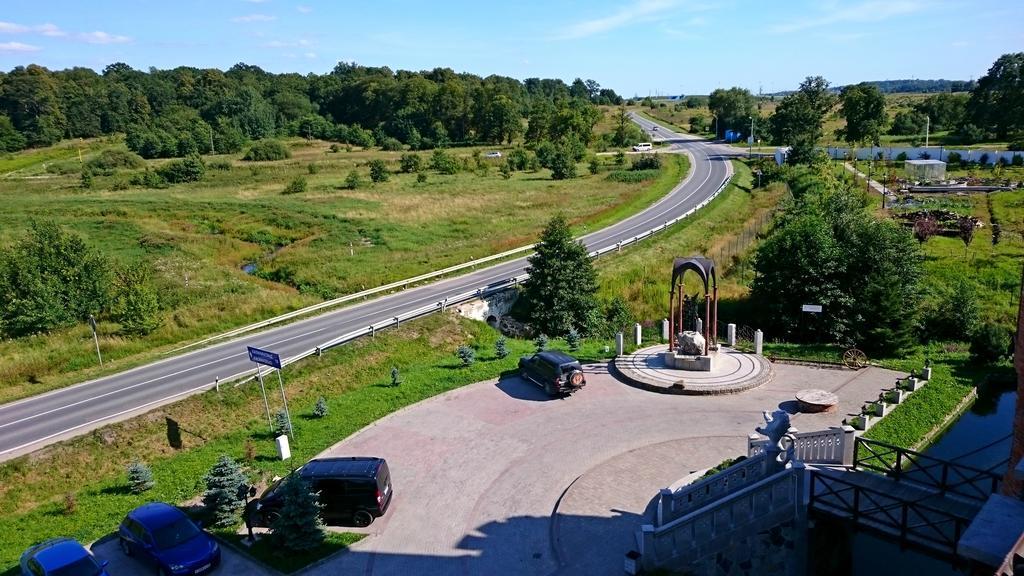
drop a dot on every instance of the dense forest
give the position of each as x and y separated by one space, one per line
919 86
186 110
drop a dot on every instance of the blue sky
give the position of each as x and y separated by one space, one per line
636 47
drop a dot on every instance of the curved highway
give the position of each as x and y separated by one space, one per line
33 422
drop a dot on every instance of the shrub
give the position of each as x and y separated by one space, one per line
1017 160
390 144
501 347
990 343
136 305
320 409
334 149
110 160
518 159
222 165
443 162
620 158
190 169
298 527
411 163
378 171
396 377
646 162
296 186
632 176
901 157
594 166
221 498
149 179
466 354
282 424
541 342
266 150
505 170
955 314
562 164
313 168
572 339
954 159
140 477
421 177
353 181
86 181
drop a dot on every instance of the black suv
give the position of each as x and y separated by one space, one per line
352 490
557 373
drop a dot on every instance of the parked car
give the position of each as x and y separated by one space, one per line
557 373
165 537
642 147
494 154
353 490
61 557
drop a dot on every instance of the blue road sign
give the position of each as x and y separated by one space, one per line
264 357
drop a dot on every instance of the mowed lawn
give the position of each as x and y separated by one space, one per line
304 247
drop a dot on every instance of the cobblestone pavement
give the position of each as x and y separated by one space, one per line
494 478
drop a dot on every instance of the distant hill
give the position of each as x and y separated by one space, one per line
910 85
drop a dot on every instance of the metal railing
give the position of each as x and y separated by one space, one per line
911 520
948 477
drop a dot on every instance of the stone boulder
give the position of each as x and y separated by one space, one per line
690 343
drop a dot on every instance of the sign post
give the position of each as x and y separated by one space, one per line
287 414
95 338
271 359
810 309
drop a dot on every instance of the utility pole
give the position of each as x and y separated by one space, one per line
750 140
92 324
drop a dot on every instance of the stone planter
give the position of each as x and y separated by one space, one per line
911 384
926 373
861 422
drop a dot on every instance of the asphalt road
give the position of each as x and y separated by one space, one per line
34 422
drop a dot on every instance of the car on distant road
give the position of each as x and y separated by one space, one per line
654 128
61 557
494 154
351 489
642 147
557 373
165 537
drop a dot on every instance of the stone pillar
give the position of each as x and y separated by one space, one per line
714 318
700 326
664 330
637 334
758 341
731 334
671 319
707 322
752 440
620 345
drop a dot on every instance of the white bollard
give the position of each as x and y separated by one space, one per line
620 344
700 326
637 334
758 341
664 330
284 451
730 330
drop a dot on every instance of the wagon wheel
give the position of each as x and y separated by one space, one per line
854 358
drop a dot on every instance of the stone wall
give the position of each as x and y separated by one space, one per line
774 550
490 308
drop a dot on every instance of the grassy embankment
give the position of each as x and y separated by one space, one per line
325 242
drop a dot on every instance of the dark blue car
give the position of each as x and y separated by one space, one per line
163 535
60 557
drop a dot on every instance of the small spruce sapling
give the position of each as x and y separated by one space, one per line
501 347
572 338
541 342
140 477
466 354
320 409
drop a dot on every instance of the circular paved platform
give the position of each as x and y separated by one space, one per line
732 371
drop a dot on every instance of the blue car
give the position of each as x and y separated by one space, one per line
164 536
60 557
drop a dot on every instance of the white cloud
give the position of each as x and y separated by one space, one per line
834 13
254 18
99 37
302 42
50 30
44 29
17 47
310 55
638 11
959 43
12 28
304 9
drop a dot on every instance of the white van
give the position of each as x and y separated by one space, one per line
642 147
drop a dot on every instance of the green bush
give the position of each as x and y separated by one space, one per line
296 186
421 177
221 497
594 166
266 150
541 342
282 424
222 165
190 169
519 159
353 180
990 343
313 168
954 159
646 162
378 171
501 347
466 354
391 144
632 176
140 477
298 527
320 409
443 162
110 160
411 163
149 179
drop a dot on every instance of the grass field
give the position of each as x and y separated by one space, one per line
304 247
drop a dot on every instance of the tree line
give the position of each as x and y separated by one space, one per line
188 110
994 108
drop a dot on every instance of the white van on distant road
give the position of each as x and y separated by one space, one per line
642 147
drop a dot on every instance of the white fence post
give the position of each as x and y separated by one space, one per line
730 330
849 445
664 330
637 334
620 345
758 341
